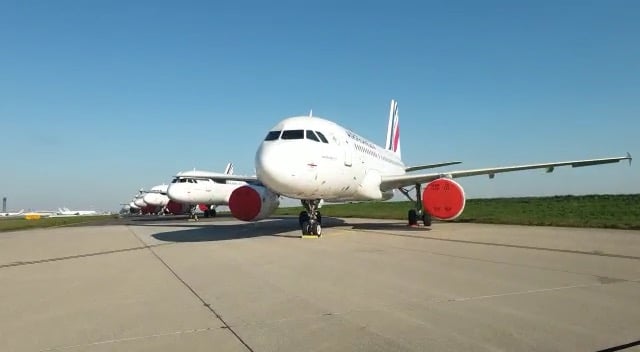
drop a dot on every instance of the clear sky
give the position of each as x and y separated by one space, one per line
101 98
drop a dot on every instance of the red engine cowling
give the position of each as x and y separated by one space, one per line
444 199
251 203
176 208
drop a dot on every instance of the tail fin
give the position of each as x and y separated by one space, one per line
393 129
229 169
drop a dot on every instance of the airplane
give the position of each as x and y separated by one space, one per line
313 159
66 211
198 188
21 212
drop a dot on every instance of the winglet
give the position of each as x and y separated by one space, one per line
629 158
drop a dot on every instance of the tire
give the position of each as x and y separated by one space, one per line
316 229
213 213
412 216
426 218
319 217
303 217
306 228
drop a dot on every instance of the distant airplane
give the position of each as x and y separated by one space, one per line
67 211
21 212
313 159
198 188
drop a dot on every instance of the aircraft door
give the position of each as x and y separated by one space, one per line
348 152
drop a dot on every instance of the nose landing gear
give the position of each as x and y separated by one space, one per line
310 220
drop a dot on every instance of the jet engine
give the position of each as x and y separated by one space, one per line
252 203
443 198
176 208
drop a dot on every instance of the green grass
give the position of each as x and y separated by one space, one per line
603 211
13 224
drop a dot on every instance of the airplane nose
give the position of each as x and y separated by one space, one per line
149 198
139 202
177 193
273 168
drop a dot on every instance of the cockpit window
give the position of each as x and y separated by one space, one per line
292 134
322 138
272 135
175 180
312 136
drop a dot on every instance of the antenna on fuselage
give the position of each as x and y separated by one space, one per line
311 113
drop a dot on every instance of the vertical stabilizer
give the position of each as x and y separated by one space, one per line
393 129
229 169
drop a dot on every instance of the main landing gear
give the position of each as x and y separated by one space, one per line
418 213
210 213
193 214
311 219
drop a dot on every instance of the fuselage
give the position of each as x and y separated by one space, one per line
313 158
190 187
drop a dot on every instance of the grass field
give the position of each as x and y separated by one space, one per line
604 211
12 224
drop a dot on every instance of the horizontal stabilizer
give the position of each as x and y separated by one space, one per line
430 166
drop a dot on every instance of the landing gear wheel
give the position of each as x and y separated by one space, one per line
306 228
303 217
319 217
412 217
426 218
207 214
213 213
316 229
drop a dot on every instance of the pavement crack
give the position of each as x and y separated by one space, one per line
194 292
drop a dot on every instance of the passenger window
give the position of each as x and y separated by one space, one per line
293 134
312 136
272 136
322 138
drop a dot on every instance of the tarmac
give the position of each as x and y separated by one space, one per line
366 285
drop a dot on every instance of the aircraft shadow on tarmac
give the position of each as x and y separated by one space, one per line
286 227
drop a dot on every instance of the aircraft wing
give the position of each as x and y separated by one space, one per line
430 166
393 182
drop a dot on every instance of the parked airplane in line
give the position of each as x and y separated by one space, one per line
67 211
198 188
21 212
313 159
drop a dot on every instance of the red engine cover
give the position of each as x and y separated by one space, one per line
174 207
203 207
443 199
149 209
245 203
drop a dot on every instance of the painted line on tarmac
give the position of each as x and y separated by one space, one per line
558 250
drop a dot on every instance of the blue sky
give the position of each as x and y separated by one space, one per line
101 98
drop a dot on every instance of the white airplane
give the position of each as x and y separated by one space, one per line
198 188
313 159
21 212
66 211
